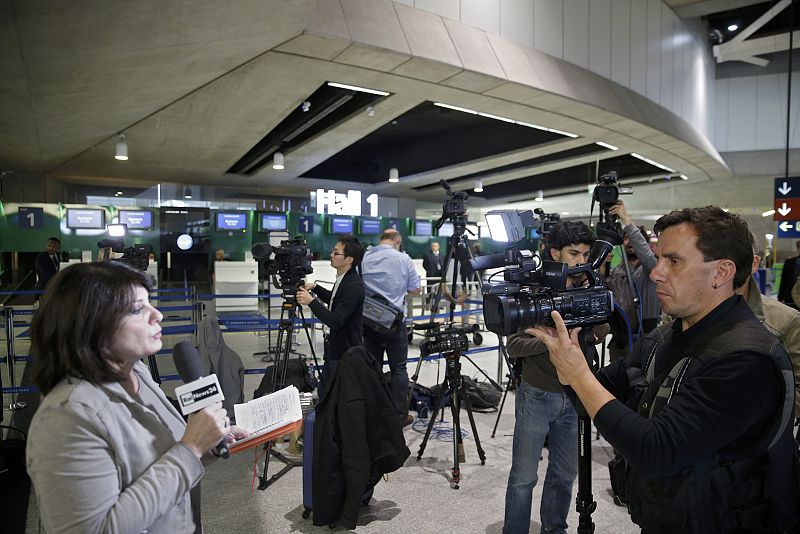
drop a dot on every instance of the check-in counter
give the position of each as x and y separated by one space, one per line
236 278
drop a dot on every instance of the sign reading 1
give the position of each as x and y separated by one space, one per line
334 203
30 217
305 224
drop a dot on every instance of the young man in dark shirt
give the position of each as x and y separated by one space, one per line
703 410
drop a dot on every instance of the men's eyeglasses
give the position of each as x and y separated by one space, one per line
335 252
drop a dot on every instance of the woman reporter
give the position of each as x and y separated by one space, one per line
107 451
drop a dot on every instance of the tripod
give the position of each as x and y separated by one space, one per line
453 385
514 377
585 504
290 309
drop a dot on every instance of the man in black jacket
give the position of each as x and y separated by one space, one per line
701 410
47 263
341 308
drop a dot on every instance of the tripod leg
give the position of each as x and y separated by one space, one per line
468 404
500 411
439 406
458 443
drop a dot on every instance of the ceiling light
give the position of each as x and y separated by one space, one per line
504 119
733 27
539 196
606 145
562 132
684 177
768 213
305 106
495 117
769 236
651 162
277 160
122 148
359 89
564 213
394 175
370 111
478 186
119 193
455 108
187 192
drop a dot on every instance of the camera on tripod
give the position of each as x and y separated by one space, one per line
607 191
545 222
290 261
444 339
532 287
454 207
137 256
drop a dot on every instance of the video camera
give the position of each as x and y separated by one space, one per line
291 262
607 192
545 222
136 256
532 287
444 339
454 207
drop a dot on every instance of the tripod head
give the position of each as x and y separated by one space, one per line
454 209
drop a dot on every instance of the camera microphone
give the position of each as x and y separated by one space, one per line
427 326
490 261
198 391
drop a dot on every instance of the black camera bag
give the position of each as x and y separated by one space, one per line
381 316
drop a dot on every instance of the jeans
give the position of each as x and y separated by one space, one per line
538 414
397 351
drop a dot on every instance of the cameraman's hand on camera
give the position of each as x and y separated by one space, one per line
619 210
304 297
310 286
570 363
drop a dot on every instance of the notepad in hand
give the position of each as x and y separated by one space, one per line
268 417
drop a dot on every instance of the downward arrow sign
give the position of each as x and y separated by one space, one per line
785 226
783 190
784 210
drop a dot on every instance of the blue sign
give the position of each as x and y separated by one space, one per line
788 229
31 217
787 187
305 224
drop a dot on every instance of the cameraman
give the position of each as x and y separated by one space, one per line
341 308
542 409
704 403
391 273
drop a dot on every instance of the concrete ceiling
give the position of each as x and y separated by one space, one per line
195 85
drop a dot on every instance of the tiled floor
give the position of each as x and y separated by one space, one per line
416 498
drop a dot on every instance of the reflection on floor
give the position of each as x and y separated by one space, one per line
416 498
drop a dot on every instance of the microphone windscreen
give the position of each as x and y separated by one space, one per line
489 261
188 362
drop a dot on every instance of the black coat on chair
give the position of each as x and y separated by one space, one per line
357 439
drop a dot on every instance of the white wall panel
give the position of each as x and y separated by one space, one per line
548 27
678 73
770 106
721 110
654 50
446 8
639 46
621 42
483 14
686 86
516 21
668 21
576 32
742 114
600 37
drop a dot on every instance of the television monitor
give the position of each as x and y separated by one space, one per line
370 226
136 219
231 221
341 225
86 219
273 222
195 223
423 228
446 230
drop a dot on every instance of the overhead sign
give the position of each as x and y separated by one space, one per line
31 217
787 199
789 229
349 203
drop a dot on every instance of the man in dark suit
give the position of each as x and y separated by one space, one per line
432 263
47 263
341 308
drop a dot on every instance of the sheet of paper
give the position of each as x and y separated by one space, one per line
270 411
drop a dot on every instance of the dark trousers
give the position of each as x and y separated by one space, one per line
396 349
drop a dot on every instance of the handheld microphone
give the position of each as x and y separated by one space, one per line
198 391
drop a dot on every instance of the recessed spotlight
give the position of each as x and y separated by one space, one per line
733 27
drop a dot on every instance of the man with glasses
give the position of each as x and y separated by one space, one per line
390 273
341 308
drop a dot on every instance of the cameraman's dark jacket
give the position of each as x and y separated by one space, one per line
344 316
699 454
537 369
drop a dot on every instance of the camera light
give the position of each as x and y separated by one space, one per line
508 226
117 230
497 227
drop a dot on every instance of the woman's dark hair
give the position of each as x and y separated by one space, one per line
720 235
78 316
566 233
352 248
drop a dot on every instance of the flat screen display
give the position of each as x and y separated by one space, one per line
195 223
93 219
370 226
231 221
423 228
273 222
136 220
446 230
341 225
